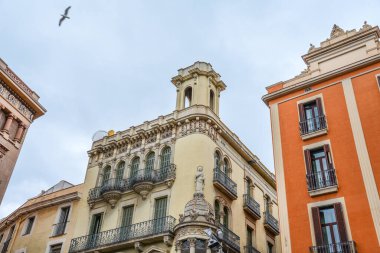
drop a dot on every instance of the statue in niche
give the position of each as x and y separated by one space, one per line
199 180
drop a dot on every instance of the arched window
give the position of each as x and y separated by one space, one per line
217 211
165 158
226 217
135 166
212 100
106 174
120 171
217 160
226 166
149 166
188 96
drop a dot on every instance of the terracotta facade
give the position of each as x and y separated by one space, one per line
19 107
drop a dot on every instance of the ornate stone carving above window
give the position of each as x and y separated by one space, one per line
7 94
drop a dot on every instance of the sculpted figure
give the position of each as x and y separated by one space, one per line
199 180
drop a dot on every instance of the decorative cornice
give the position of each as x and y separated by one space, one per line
16 101
18 80
323 77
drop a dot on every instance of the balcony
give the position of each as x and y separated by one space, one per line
321 182
271 224
122 237
250 249
251 206
59 229
342 247
224 183
229 238
310 128
142 181
112 189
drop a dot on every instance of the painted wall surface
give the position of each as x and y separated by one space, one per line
344 154
41 235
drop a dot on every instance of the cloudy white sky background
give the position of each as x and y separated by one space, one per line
110 65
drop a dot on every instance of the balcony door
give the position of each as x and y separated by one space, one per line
159 221
320 168
126 230
96 223
330 228
310 116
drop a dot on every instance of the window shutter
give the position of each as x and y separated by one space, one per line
340 221
317 226
378 80
301 110
318 101
127 216
326 148
308 161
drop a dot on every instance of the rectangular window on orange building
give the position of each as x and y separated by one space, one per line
312 118
330 229
320 169
378 80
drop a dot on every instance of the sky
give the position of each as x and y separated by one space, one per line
109 67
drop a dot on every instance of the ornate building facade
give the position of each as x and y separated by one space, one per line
44 223
139 181
19 107
326 134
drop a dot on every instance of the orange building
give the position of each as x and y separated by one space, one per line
326 135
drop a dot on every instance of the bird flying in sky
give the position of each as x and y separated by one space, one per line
64 16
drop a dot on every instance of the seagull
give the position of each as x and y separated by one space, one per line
64 16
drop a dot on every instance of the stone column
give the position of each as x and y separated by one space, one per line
8 123
192 244
178 246
20 132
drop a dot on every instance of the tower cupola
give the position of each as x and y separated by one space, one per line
198 84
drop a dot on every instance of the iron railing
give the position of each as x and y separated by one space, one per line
321 179
122 185
5 246
59 228
341 247
223 179
250 203
154 176
313 125
272 222
250 249
123 234
229 237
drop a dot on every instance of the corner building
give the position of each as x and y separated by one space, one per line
326 134
140 183
19 107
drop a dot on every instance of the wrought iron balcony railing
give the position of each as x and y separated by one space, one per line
342 247
150 228
251 206
154 176
225 183
271 223
59 228
321 179
122 185
313 125
250 249
229 237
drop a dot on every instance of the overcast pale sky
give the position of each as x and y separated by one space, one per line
110 65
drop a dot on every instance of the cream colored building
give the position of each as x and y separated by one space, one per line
140 183
43 224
